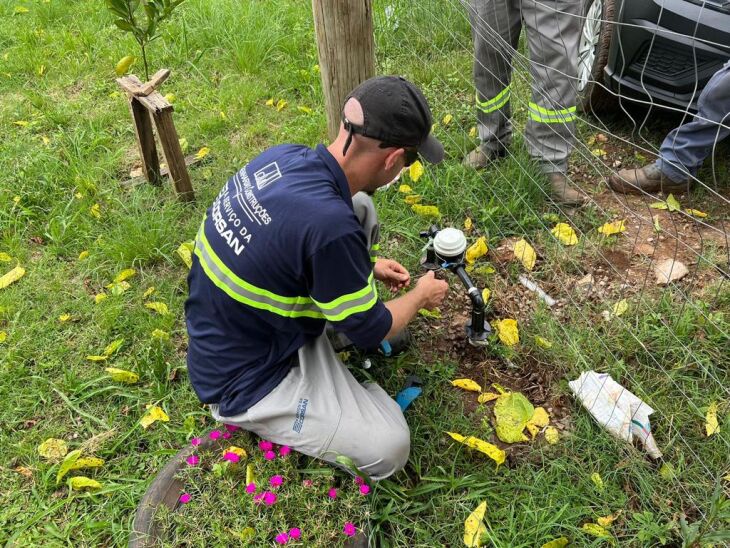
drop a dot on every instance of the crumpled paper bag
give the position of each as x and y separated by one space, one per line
616 409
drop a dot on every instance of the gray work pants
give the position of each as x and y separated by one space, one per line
686 147
319 409
553 29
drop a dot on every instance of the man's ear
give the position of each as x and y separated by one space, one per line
393 158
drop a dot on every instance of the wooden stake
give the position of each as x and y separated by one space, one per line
346 51
145 142
173 154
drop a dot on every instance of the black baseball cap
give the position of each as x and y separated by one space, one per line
396 113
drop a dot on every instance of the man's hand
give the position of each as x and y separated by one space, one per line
392 274
431 290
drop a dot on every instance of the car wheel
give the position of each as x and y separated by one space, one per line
595 41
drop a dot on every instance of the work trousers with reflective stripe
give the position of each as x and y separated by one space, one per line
553 29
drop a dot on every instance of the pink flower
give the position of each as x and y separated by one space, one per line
284 450
307 483
192 460
215 434
251 488
265 445
295 533
282 538
195 441
226 435
269 498
364 489
232 427
230 456
257 498
349 529
185 498
359 480
276 480
332 493
269 455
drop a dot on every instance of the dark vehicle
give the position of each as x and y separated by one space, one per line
650 51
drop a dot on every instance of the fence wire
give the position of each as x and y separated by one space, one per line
447 21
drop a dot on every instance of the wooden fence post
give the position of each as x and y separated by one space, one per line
346 49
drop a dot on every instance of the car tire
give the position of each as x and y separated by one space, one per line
594 44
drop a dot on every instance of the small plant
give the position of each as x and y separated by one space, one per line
651 531
128 19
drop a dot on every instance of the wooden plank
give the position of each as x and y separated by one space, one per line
346 49
145 142
134 86
154 102
173 154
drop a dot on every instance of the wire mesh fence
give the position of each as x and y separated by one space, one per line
587 89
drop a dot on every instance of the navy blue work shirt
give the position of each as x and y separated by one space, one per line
279 253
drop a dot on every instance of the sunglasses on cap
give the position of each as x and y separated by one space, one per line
411 154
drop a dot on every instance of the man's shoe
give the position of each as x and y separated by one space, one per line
478 159
646 179
562 193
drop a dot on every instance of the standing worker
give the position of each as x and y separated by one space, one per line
685 148
553 29
286 248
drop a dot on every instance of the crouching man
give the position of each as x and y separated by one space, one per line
288 246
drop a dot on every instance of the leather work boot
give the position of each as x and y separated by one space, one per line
478 159
646 179
562 193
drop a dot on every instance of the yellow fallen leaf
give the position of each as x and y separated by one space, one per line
540 419
447 119
21 9
667 471
551 435
485 397
125 274
21 123
620 307
598 152
305 110
542 342
597 480
113 347
426 210
413 199
468 224
160 334
270 102
280 105
149 291
507 331
170 98
659 205
82 482
63 318
121 375
696 213
486 293
202 153
512 412
561 542
435 313
83 255
16 200
565 234
68 461
492 451
100 297
473 132
250 477
474 526
240 451
657 226
483 270
222 115
712 426
5 258
467 384
117 288
673 204
11 277
616 227
160 308
405 189
3 336
95 211
476 250
595 530
607 521
123 64
88 462
53 449
185 252
154 414
94 358
525 253
415 171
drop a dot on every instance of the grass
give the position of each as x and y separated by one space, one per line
228 58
